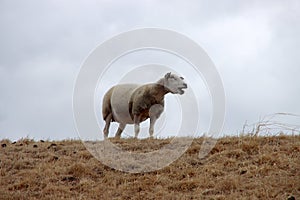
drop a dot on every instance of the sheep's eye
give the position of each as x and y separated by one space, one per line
181 78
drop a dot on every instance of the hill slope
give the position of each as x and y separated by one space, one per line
237 168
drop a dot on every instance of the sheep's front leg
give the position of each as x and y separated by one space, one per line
136 125
154 113
152 123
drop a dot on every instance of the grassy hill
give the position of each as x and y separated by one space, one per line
236 168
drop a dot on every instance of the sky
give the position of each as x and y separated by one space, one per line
254 45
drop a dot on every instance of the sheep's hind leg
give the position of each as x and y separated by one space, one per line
107 124
120 130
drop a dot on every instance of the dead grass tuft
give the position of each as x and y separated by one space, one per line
78 170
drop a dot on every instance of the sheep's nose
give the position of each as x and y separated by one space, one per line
185 85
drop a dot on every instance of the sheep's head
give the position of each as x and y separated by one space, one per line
174 83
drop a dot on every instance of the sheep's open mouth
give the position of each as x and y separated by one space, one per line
180 89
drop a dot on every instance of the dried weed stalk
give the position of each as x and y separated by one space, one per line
269 125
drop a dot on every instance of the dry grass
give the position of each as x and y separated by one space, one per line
237 168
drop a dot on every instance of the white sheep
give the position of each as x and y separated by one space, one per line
133 104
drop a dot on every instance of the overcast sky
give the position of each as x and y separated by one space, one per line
255 46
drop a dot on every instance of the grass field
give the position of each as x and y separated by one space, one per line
236 168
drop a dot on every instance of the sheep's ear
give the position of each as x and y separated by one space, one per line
168 75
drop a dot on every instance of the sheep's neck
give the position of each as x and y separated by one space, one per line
160 92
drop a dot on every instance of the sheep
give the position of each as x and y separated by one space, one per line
133 104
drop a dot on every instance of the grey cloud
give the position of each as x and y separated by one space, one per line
43 43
